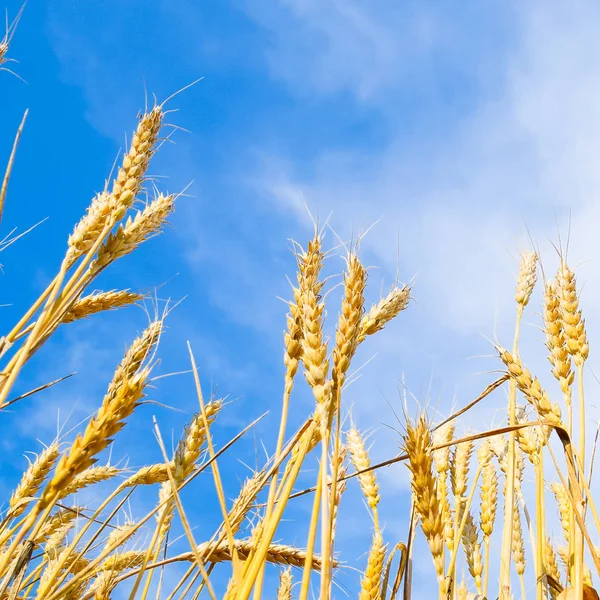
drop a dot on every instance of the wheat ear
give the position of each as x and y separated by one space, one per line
417 444
100 302
124 392
33 479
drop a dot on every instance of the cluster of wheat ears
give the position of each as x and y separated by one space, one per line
53 549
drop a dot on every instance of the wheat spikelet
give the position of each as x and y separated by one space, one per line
384 311
573 324
33 479
99 302
531 440
88 477
3 51
531 388
518 549
460 470
564 508
57 532
417 444
90 227
131 174
186 456
441 459
145 224
284 592
370 588
563 553
65 561
189 447
550 560
277 554
340 488
120 535
488 490
527 278
314 349
292 339
57 522
124 392
348 330
231 591
149 475
499 448
243 503
472 548
108 208
360 460
462 592
555 341
122 560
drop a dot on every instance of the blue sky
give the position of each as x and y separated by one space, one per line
462 130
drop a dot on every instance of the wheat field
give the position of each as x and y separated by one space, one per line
53 548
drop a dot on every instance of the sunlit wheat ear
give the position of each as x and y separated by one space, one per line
360 460
123 395
370 588
55 529
314 348
107 208
64 561
518 548
417 444
527 278
348 330
284 592
190 446
245 500
3 51
56 541
462 592
550 560
186 456
488 490
472 546
531 388
441 459
145 224
382 313
564 509
100 302
149 475
277 554
32 480
130 176
573 324
90 227
340 487
88 477
531 440
559 356
292 342
460 469
499 448
122 560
